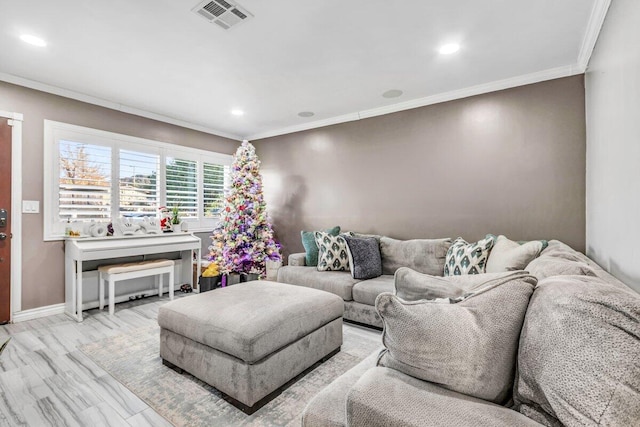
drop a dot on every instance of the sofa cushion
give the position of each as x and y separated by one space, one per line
468 258
364 257
385 397
579 353
337 282
250 320
310 246
558 265
333 254
367 291
468 346
508 255
328 408
410 285
423 255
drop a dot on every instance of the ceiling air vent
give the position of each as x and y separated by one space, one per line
225 13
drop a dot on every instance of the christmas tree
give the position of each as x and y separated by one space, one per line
243 242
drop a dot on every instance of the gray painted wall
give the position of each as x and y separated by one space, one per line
43 262
510 162
613 144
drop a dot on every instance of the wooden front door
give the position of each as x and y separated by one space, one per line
5 221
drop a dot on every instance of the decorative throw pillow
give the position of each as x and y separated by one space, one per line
332 252
579 352
507 255
468 258
310 246
467 345
364 257
423 255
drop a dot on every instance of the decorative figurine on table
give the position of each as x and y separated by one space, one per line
165 219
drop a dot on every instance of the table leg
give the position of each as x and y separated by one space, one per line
79 290
198 265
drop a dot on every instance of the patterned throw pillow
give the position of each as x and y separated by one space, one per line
333 254
310 247
468 258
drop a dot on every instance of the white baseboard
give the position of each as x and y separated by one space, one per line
36 313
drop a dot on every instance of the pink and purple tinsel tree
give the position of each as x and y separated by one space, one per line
243 242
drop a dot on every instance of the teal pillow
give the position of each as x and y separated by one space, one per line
310 246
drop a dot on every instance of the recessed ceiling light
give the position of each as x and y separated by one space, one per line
237 112
450 48
36 41
306 114
393 93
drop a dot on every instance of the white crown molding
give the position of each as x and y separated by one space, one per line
307 126
43 87
36 313
540 76
598 14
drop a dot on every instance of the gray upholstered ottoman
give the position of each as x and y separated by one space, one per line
250 339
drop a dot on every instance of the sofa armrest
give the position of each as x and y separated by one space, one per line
297 260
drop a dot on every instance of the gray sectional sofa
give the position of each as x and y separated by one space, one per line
576 360
424 255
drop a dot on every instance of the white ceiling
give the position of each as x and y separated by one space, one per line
156 58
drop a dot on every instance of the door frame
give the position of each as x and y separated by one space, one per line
15 121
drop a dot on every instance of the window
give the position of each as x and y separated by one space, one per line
97 175
84 185
139 183
181 186
213 185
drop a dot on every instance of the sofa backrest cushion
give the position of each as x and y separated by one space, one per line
468 346
579 353
413 286
559 265
422 255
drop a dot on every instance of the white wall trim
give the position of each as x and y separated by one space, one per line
43 87
15 121
540 76
36 313
598 14
9 115
306 126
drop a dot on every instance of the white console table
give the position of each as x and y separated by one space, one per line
78 250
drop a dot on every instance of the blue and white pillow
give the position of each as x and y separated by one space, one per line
468 258
333 254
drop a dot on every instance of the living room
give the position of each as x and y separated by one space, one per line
434 121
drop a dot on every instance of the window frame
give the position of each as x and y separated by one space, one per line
56 131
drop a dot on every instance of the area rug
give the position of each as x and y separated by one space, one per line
133 359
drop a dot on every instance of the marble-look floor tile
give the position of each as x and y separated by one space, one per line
118 396
102 415
50 411
23 387
78 363
73 392
148 418
9 415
